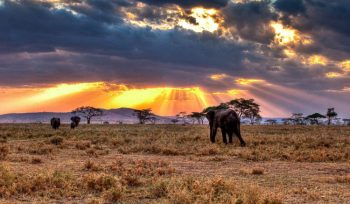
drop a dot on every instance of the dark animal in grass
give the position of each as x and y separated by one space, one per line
75 122
55 123
229 123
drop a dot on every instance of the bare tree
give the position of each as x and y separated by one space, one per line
88 112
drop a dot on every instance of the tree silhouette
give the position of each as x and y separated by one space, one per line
219 107
88 112
331 114
271 121
198 116
182 116
315 117
346 121
174 121
298 118
246 108
144 115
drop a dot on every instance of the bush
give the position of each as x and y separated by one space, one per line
100 182
115 194
258 171
4 151
56 140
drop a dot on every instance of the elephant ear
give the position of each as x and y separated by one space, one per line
210 115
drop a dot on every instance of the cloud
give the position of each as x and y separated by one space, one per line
250 20
189 4
290 6
116 41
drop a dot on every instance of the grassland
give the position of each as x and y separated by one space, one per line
173 164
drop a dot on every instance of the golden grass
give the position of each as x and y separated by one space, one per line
172 164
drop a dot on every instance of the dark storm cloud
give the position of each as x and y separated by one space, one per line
189 3
290 6
327 22
39 29
99 45
251 20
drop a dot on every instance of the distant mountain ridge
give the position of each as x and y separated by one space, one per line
113 116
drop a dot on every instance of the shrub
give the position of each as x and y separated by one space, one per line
36 160
258 171
56 140
89 165
83 145
4 151
160 189
131 180
100 182
115 194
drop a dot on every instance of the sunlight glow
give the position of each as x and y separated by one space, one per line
162 100
345 65
244 81
216 77
283 35
317 60
333 75
205 20
63 89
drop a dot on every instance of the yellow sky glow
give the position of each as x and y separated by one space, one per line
333 75
317 60
283 35
204 18
216 77
244 81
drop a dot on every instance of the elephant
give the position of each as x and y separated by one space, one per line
75 122
228 121
55 123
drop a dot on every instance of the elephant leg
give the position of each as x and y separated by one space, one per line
230 134
224 139
238 134
213 134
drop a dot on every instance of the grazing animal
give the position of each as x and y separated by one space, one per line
55 123
75 122
229 123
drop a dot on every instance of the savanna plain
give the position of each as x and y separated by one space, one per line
173 164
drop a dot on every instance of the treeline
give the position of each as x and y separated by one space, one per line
247 110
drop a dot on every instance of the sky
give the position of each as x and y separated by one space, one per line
290 56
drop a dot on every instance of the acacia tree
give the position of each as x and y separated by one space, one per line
271 121
144 115
88 112
246 108
219 107
298 118
174 121
182 116
331 114
198 116
315 117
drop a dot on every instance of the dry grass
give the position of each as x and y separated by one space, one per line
4 151
287 143
173 164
